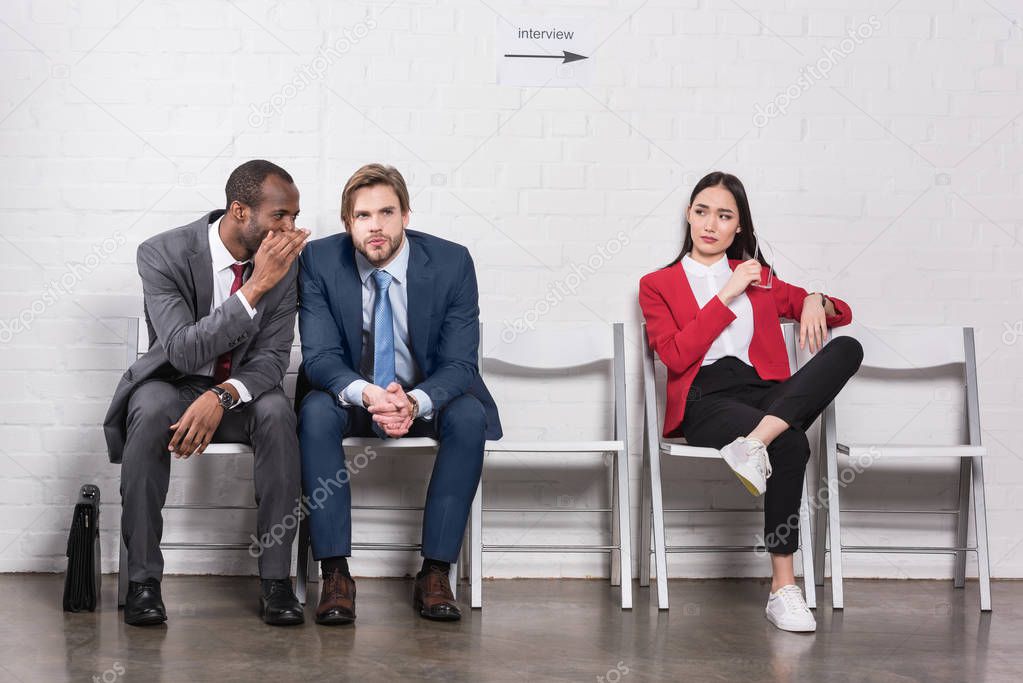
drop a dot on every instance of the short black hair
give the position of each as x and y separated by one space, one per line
245 181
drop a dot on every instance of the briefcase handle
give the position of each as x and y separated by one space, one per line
89 495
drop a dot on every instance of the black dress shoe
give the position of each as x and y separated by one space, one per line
278 604
143 605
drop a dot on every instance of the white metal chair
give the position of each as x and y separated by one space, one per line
138 344
654 446
550 349
911 349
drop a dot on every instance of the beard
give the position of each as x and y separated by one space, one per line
252 235
380 254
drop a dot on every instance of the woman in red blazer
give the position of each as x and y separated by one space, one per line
729 385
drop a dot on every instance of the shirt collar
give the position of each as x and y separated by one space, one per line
396 268
695 268
219 254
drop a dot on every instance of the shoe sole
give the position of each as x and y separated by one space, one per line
418 606
335 620
811 629
746 481
147 621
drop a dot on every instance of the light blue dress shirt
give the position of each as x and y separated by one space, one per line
405 368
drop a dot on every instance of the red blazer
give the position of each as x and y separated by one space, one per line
681 333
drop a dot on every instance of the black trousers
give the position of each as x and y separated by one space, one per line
728 399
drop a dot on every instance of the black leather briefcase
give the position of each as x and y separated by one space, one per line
82 580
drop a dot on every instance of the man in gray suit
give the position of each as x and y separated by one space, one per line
220 302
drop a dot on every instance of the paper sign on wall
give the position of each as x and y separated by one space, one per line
543 51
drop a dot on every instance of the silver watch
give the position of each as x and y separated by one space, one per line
224 396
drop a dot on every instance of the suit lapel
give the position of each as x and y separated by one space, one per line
349 286
678 281
200 265
420 303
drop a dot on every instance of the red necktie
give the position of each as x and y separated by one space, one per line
222 370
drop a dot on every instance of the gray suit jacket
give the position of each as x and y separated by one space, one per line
177 283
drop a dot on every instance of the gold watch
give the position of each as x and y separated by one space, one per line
415 405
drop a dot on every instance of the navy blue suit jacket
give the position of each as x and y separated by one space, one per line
443 319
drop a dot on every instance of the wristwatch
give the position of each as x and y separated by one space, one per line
415 405
224 396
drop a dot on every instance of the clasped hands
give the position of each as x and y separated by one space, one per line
391 408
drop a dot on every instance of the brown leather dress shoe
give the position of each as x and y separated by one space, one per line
337 600
432 597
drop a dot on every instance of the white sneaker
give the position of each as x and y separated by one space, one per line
787 610
748 459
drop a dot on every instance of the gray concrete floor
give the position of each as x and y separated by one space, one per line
529 630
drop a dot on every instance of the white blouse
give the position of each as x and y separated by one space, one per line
706 282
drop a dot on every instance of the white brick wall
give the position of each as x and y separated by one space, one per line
893 182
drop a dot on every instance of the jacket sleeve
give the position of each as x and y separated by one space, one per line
789 300
267 359
458 344
190 345
323 360
681 347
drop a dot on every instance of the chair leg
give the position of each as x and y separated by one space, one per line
465 555
476 549
657 511
980 521
820 526
962 522
806 542
453 579
616 531
835 529
624 524
122 572
302 561
645 526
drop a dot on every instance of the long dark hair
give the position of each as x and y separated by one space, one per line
745 240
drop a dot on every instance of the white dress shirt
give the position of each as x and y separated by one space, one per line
223 278
407 373
706 282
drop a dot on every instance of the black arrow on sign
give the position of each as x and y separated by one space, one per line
565 56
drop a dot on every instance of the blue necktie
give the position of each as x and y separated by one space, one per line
383 336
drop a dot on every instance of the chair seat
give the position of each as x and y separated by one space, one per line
351 442
371 441
874 451
554 446
684 450
227 449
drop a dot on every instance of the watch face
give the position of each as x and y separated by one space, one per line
223 396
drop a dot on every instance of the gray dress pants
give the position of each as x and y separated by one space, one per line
268 423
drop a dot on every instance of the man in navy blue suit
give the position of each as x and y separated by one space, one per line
389 320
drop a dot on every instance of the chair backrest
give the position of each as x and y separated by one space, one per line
920 348
551 346
907 348
654 386
562 346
